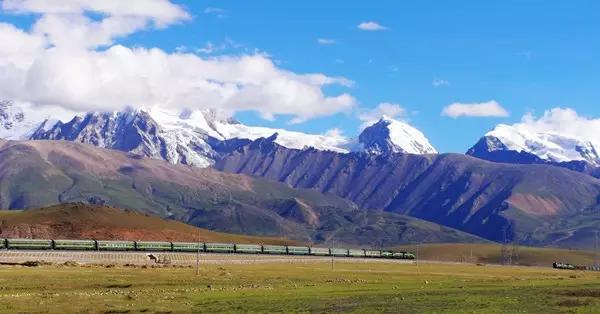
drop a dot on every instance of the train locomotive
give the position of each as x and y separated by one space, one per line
206 247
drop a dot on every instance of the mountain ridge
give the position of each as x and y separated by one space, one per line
42 173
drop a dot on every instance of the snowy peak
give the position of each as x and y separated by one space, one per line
131 131
9 115
222 128
534 147
392 136
19 120
14 122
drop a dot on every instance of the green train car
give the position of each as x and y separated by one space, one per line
116 245
356 253
319 251
409 255
220 247
387 254
339 252
187 247
372 253
29 244
75 245
248 248
274 249
2 243
153 246
399 255
298 250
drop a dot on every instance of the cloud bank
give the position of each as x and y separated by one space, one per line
484 109
69 58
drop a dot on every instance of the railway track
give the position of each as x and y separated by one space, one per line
170 258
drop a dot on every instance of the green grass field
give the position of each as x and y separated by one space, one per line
353 287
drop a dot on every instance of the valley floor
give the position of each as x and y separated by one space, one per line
297 287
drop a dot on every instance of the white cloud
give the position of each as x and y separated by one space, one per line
371 26
390 110
42 67
218 12
335 133
18 48
66 23
325 41
484 109
439 82
162 12
563 121
210 48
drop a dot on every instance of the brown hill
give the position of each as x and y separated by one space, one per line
83 221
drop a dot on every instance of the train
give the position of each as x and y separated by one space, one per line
560 265
206 247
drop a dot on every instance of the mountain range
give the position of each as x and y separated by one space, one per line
199 137
496 201
384 184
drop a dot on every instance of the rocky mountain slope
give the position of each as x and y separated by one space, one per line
511 144
40 173
493 200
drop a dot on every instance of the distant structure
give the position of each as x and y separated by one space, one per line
509 252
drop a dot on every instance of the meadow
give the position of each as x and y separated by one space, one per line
297 287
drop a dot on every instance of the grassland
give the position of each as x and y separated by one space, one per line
369 287
491 253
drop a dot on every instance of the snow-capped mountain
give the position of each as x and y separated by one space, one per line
195 137
209 123
392 136
134 131
11 120
19 120
517 145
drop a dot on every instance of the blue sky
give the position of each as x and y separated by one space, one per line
529 56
